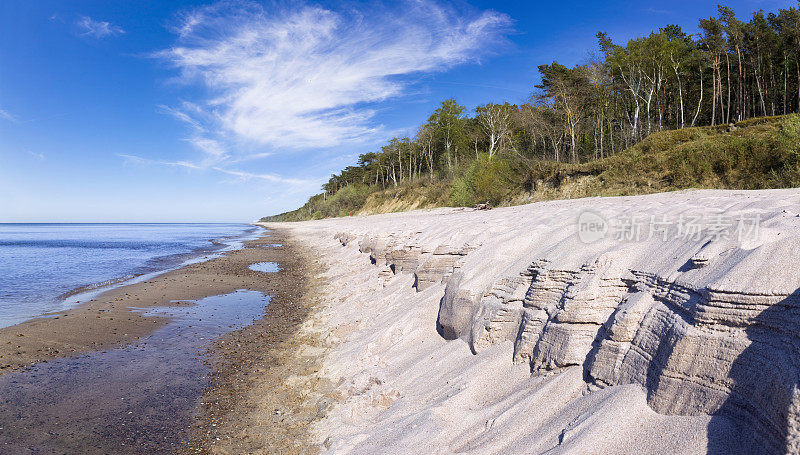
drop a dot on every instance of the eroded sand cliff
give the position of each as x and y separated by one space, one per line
677 329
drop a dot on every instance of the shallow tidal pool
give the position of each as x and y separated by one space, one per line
133 399
266 267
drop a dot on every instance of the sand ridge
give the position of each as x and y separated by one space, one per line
452 330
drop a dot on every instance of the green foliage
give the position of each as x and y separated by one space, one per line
486 180
760 121
762 153
408 195
346 201
665 140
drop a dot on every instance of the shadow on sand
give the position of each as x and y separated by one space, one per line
764 400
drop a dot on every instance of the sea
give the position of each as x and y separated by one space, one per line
48 268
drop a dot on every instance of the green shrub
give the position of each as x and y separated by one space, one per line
760 121
665 140
486 180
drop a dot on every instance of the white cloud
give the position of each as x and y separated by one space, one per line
97 29
240 175
245 176
8 116
306 77
37 156
133 159
252 157
182 116
213 151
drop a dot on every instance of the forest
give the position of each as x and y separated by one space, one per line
731 71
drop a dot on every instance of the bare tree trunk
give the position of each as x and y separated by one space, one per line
430 159
573 150
602 136
400 162
761 96
740 91
411 165
720 94
713 96
758 84
680 96
447 151
660 110
648 100
785 83
556 148
611 136
728 110
700 101
772 84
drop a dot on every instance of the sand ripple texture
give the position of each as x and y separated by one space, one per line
454 330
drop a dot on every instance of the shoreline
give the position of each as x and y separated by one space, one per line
74 297
270 353
265 391
114 317
82 292
496 332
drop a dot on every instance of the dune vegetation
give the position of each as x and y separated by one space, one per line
752 154
663 112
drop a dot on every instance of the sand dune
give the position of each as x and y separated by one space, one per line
651 324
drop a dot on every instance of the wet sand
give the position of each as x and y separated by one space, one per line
108 320
79 362
133 399
264 391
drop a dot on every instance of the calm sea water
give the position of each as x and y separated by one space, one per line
41 264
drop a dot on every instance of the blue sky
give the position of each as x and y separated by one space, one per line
228 111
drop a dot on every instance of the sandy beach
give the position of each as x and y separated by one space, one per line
240 364
399 227
500 331
489 331
265 390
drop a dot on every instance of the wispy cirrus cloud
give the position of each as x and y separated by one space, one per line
36 156
182 116
133 159
274 178
240 175
97 29
8 116
213 151
300 77
309 77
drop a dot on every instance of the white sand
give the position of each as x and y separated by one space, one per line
609 347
